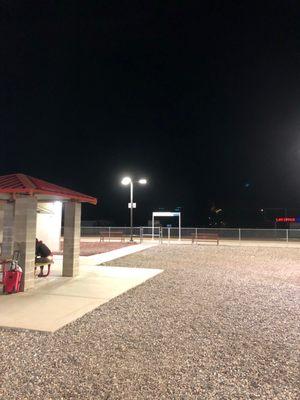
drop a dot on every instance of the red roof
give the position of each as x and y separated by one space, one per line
20 183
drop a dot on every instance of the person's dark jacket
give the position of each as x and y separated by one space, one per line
41 250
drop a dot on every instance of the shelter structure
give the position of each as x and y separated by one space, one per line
19 196
166 214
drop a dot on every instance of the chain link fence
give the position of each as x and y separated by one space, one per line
185 235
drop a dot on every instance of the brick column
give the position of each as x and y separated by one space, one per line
8 228
72 223
25 235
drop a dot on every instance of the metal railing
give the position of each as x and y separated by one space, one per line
165 235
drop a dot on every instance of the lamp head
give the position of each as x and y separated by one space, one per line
126 180
143 181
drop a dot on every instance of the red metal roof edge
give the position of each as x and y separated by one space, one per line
30 185
53 188
81 197
24 179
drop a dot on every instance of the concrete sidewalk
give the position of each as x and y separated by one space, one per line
97 259
58 301
118 253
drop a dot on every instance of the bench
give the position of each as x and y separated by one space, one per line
38 263
41 264
112 235
205 237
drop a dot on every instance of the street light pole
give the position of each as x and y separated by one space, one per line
129 181
131 210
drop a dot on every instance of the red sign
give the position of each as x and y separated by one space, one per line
286 219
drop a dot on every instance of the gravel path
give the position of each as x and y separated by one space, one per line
218 323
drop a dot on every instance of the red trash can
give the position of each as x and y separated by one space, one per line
12 279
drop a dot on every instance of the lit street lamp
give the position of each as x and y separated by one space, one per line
128 181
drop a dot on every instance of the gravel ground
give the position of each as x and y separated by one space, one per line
218 323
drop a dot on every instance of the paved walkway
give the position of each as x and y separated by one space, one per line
58 301
118 253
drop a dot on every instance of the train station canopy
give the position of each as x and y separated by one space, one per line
14 184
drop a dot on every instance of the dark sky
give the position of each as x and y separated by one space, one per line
202 98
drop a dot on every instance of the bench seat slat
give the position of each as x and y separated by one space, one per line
205 237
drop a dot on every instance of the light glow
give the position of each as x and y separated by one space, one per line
143 181
126 180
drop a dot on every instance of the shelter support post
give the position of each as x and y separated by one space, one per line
1 221
8 228
152 226
72 222
179 221
24 237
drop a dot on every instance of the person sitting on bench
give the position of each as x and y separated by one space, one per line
42 255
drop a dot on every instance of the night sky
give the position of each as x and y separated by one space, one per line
201 98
